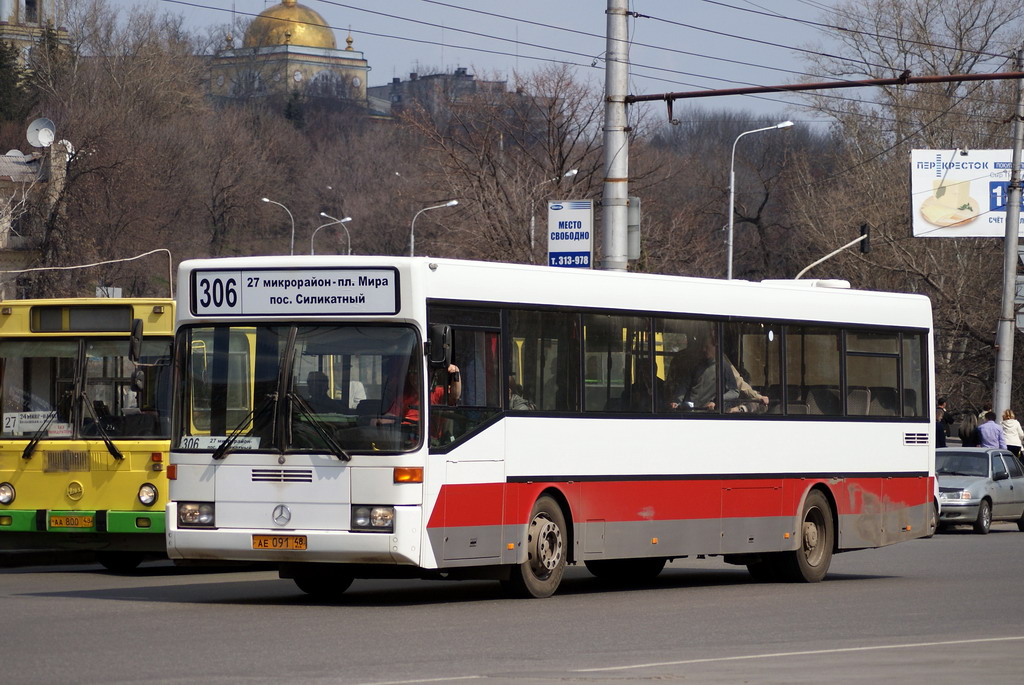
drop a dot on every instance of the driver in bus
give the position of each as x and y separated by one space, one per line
407 405
319 399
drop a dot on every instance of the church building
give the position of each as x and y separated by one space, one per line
288 49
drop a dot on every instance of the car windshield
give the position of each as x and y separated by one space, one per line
962 464
353 387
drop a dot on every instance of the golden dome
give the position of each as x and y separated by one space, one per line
289 23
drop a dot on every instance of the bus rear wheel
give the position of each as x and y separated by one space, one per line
540 575
809 563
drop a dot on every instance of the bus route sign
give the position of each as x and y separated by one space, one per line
287 292
571 233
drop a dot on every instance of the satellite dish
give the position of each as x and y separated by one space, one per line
40 132
14 153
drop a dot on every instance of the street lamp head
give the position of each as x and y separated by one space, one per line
570 173
451 203
265 199
784 124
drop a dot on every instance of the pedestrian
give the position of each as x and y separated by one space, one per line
991 432
940 428
1013 432
987 407
969 430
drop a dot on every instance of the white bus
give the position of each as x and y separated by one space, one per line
504 421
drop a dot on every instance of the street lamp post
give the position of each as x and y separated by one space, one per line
292 248
533 205
732 184
412 228
331 223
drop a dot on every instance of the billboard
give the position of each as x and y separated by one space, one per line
571 233
960 193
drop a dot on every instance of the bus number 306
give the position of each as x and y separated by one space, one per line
217 292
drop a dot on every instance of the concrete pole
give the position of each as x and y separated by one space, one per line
1007 324
615 199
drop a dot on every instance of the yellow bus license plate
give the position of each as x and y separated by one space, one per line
297 542
71 522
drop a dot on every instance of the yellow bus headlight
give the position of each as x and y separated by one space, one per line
7 493
147 494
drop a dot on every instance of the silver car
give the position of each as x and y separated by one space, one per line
978 485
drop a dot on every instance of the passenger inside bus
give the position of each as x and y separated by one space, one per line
696 379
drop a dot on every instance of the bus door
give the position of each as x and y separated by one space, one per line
472 491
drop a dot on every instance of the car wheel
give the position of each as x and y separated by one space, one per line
1020 523
933 520
984 522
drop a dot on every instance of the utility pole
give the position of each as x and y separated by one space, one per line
615 198
1007 323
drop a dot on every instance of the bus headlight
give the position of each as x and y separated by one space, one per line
195 514
7 493
147 494
379 519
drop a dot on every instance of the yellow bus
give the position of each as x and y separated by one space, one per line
85 425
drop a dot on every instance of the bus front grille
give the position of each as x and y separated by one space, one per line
282 475
65 461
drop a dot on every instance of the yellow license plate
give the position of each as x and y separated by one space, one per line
71 522
279 542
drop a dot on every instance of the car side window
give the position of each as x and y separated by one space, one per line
1014 467
998 468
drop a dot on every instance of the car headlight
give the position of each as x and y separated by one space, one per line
7 493
196 514
379 519
147 494
956 495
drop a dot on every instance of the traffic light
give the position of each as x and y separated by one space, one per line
865 245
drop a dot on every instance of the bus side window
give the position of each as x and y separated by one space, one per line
549 358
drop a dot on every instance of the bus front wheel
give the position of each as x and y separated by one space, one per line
810 561
120 562
541 573
320 585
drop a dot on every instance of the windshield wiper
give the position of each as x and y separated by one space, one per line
321 430
37 436
222 449
111 447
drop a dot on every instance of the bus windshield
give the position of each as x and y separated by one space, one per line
74 388
302 388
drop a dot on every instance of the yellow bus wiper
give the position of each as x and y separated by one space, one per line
111 447
319 427
37 436
224 447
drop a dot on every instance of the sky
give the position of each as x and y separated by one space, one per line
680 45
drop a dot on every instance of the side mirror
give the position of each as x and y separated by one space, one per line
138 381
135 341
439 346
1002 475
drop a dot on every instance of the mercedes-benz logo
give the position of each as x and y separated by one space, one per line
282 515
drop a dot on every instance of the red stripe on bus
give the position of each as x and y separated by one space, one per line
489 504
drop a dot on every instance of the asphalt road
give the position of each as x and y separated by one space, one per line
945 610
